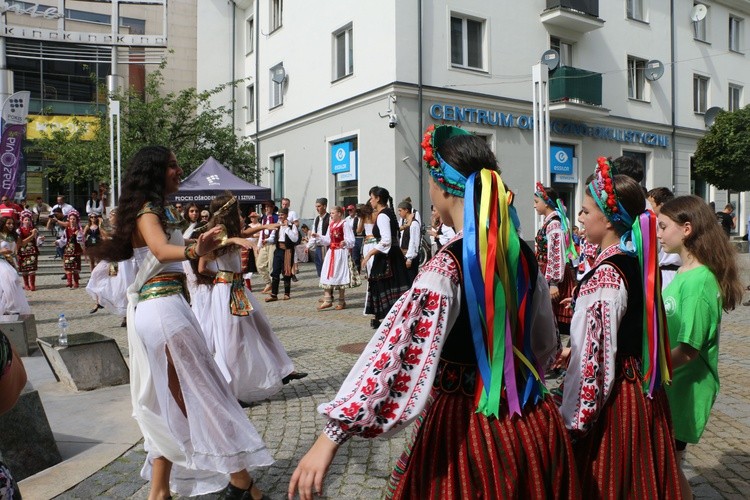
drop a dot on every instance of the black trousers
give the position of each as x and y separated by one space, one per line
277 273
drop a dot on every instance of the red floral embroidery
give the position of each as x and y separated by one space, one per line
388 410
413 355
369 387
401 384
352 410
382 362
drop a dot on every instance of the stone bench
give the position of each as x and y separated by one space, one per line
21 330
89 361
27 444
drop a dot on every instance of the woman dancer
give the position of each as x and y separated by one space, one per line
12 298
72 238
28 251
194 430
688 227
248 353
485 427
388 277
93 233
619 350
554 253
338 268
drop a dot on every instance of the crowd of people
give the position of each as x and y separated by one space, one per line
466 340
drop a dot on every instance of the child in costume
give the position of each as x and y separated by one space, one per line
12 297
28 251
459 353
337 272
613 400
706 283
555 253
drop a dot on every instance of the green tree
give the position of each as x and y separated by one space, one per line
184 121
723 154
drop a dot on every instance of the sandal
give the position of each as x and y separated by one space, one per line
231 492
272 298
340 306
325 305
287 297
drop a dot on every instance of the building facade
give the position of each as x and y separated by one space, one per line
336 96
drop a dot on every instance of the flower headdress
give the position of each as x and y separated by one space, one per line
639 240
448 178
541 193
558 206
497 277
26 213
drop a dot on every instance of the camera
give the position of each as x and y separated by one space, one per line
392 120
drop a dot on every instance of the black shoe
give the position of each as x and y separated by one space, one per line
124 323
96 308
746 303
243 404
232 492
374 324
64 277
293 376
294 278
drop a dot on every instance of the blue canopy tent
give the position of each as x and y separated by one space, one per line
212 179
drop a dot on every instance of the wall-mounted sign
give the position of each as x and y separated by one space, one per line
494 118
340 157
561 159
351 175
32 11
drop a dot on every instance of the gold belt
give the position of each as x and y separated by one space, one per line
164 285
239 304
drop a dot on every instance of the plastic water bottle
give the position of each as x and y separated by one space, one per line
62 325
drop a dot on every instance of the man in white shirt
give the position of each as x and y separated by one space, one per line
320 226
286 238
293 219
94 205
410 236
66 209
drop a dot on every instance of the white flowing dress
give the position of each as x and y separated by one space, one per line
248 353
12 297
216 437
335 271
111 292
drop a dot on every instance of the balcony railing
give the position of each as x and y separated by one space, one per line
568 84
589 7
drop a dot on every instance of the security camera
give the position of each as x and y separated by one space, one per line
392 120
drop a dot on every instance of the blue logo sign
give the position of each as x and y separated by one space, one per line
561 160
340 157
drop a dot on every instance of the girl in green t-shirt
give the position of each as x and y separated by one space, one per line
706 283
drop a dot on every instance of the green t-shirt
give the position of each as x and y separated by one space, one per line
693 305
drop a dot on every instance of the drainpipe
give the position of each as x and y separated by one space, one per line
256 86
419 106
234 63
674 85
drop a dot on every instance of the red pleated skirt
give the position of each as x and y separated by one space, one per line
456 453
629 453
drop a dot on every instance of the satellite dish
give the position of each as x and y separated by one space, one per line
654 70
279 75
710 116
698 13
551 58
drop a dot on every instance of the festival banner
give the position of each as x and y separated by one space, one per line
14 114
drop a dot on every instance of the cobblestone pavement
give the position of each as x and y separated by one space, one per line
718 467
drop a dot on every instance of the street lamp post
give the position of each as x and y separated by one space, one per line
114 85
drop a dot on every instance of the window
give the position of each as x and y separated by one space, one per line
735 32
277 78
277 170
641 158
700 93
343 53
699 28
250 104
277 9
564 49
735 97
250 39
635 10
636 78
467 43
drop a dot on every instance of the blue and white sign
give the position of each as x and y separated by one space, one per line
571 178
561 160
340 157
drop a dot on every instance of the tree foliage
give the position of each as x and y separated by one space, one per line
723 154
184 121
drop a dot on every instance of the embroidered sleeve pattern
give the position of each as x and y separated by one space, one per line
555 253
390 384
601 304
384 225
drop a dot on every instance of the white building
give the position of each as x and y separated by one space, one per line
323 73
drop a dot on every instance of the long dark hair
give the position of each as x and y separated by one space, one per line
143 183
383 196
13 234
708 243
468 154
230 219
